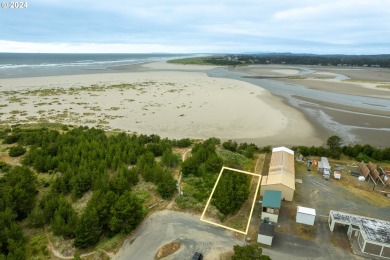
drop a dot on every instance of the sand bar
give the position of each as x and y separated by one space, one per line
174 104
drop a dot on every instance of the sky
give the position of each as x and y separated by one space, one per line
197 26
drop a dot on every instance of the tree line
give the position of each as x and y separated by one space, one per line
299 59
335 148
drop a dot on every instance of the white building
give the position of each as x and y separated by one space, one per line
306 215
373 235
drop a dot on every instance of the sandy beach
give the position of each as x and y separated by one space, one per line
165 99
178 101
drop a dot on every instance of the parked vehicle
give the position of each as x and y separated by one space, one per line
197 256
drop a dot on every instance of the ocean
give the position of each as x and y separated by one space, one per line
14 65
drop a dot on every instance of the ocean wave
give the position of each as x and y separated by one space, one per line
82 63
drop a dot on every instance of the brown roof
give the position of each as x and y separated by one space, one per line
364 169
373 170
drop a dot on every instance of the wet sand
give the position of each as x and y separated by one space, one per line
158 100
342 87
354 104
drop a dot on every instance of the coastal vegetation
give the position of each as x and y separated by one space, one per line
63 167
193 61
85 187
289 58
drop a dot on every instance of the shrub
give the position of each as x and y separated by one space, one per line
230 145
16 151
183 143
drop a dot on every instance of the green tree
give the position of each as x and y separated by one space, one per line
266 149
119 183
213 163
88 229
102 203
190 167
4 167
80 183
126 213
232 191
249 252
36 218
65 219
16 151
363 158
167 186
49 205
18 191
334 142
230 145
183 143
12 240
169 159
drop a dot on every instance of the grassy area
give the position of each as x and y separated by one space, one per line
110 244
383 86
37 245
195 192
230 159
193 61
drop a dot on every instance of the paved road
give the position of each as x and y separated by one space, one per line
166 226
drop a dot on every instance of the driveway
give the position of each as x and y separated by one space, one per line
167 226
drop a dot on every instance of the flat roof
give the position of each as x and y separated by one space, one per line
372 229
305 210
272 199
267 229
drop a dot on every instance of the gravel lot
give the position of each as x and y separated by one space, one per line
167 226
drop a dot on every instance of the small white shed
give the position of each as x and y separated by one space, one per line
266 233
306 215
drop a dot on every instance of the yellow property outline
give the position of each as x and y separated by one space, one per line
253 203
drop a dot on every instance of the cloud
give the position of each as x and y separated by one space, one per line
200 25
